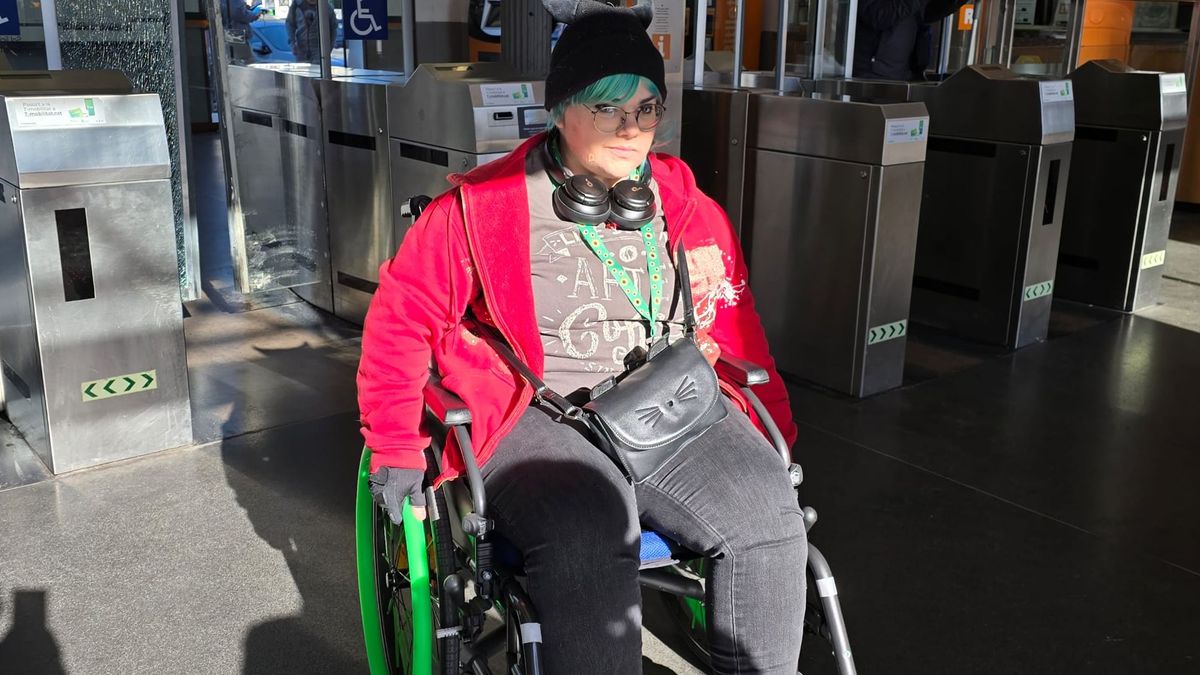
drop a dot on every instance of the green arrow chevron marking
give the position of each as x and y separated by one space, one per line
1154 259
1039 290
888 331
108 387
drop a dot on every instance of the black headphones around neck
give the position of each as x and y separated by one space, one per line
586 199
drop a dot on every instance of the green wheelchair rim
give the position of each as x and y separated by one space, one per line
368 588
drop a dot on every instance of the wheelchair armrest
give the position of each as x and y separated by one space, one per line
446 407
742 372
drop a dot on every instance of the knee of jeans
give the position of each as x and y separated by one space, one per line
770 522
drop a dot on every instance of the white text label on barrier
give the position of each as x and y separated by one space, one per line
367 20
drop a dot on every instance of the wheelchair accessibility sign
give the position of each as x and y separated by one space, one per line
367 20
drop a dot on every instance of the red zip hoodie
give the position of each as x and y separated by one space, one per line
469 253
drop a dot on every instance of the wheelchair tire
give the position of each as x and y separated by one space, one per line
386 596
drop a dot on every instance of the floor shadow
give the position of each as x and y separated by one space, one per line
296 481
30 647
296 484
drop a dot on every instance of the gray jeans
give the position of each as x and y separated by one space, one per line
575 519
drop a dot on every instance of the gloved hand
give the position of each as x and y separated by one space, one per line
390 486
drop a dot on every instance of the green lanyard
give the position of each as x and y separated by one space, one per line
592 238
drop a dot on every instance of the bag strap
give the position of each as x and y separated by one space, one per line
685 289
541 391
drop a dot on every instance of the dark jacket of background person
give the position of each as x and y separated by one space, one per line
894 40
238 16
303 32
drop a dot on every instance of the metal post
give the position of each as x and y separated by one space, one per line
699 45
818 32
50 28
324 43
738 44
851 31
408 35
781 48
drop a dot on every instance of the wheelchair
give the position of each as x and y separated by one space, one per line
413 578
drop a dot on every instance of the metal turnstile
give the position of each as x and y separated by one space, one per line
279 230
996 174
1129 129
713 134
91 322
451 118
830 226
358 185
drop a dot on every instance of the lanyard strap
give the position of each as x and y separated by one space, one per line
648 311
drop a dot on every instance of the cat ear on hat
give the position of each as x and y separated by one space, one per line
569 11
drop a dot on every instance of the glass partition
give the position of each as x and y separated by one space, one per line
1144 35
1042 41
140 38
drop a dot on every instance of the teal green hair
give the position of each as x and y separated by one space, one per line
614 89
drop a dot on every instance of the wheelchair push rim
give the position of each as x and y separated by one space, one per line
394 586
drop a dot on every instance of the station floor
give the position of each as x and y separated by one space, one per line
1033 512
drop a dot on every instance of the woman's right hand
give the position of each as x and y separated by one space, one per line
390 486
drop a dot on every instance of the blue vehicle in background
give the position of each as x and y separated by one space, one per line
269 42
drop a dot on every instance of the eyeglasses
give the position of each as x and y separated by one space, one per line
609 119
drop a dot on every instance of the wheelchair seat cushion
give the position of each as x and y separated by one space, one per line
656 550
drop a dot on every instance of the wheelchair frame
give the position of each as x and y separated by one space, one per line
438 600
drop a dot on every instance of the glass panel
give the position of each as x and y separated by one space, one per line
1041 34
799 37
957 27
261 34
134 37
832 51
1145 35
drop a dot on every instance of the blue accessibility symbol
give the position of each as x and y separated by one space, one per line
367 21
10 23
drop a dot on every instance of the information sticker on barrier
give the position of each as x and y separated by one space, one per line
366 21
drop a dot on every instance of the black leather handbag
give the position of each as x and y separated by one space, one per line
667 397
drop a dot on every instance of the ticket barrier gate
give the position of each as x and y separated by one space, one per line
991 214
1129 128
832 194
713 134
279 230
450 118
358 185
996 174
91 322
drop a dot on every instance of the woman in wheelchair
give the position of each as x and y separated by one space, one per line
527 253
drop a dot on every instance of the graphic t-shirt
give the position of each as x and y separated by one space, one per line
586 321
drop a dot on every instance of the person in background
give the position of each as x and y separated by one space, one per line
303 30
894 40
239 16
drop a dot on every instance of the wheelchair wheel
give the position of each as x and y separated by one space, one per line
398 572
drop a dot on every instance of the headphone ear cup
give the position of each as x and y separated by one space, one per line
582 199
633 204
